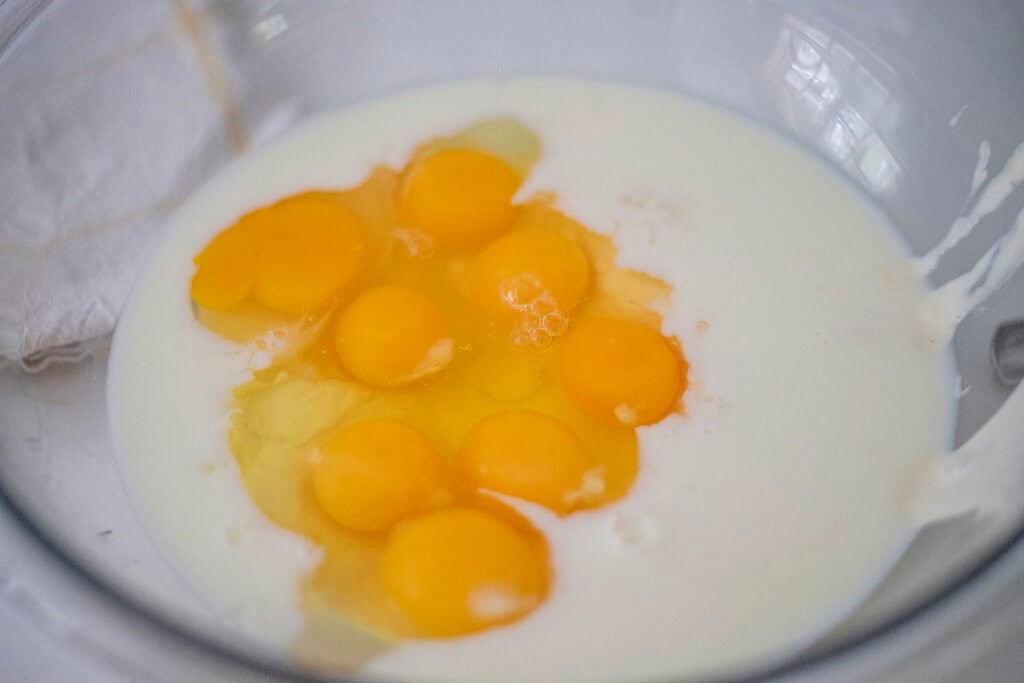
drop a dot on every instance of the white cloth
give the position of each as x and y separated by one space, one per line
90 166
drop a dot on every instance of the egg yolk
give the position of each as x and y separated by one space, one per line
390 335
375 473
291 257
226 268
537 276
459 570
460 197
529 455
620 370
316 248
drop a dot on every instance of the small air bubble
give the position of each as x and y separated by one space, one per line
555 324
543 305
530 321
520 337
540 338
518 292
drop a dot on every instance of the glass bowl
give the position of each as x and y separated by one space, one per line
113 112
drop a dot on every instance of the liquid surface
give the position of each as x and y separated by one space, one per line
756 519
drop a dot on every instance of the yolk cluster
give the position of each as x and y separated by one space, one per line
292 257
447 344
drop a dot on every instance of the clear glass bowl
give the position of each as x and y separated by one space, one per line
113 111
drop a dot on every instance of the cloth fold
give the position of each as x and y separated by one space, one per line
110 118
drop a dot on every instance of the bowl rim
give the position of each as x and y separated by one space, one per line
19 15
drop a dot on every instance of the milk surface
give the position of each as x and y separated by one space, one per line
757 520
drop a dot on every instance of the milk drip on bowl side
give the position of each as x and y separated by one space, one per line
984 476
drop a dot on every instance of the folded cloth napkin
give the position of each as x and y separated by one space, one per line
91 166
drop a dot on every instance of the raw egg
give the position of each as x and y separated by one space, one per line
375 473
460 570
621 370
460 197
526 454
392 335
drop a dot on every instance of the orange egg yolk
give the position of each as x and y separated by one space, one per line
529 455
460 197
417 388
375 473
226 268
460 570
536 277
621 370
391 336
292 257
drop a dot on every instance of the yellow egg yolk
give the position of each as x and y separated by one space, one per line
226 268
375 473
530 455
391 336
292 256
411 388
534 276
621 370
460 197
460 570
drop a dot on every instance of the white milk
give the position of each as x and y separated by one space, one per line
757 519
